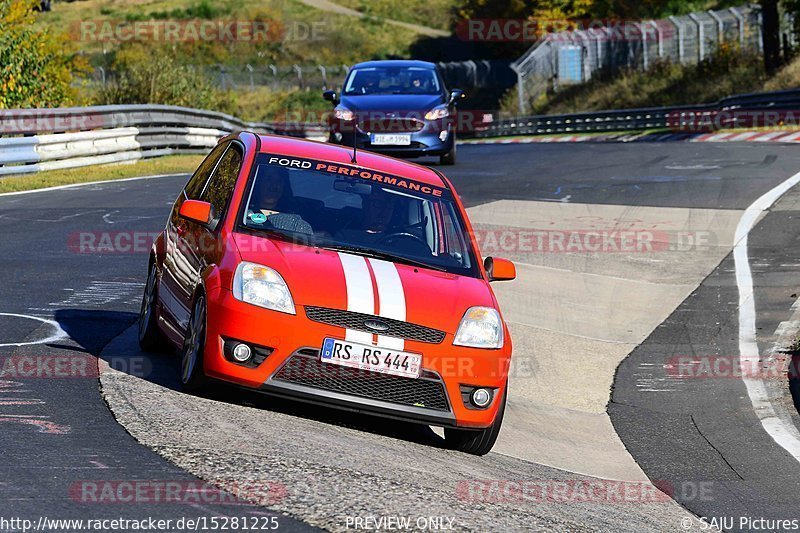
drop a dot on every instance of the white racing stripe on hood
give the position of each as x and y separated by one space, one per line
360 298
391 299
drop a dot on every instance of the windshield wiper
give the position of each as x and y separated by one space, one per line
381 255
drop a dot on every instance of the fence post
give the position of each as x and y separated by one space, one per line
520 89
720 27
659 36
681 34
250 72
645 57
274 70
701 34
739 22
222 76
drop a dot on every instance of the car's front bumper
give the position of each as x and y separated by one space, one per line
436 138
296 338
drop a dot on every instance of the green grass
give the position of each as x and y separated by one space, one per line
175 164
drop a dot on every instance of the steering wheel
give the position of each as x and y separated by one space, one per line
405 236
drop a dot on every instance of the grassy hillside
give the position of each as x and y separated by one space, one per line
303 34
664 84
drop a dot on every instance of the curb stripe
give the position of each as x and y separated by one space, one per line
748 345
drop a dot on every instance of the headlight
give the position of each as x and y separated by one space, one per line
342 113
437 112
481 327
262 286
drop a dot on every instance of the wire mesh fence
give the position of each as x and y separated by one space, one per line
575 56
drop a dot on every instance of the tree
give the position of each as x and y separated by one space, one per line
35 71
770 29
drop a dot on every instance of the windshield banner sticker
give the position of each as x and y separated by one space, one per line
353 171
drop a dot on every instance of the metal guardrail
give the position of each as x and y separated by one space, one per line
32 140
731 112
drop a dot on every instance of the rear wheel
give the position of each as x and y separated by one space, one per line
150 337
450 157
476 442
193 378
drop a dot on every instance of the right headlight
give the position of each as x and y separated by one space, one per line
342 113
481 327
262 286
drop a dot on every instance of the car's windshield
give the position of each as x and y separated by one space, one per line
356 210
392 80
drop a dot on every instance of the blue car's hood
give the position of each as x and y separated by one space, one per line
393 102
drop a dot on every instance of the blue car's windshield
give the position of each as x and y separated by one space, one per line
392 80
357 210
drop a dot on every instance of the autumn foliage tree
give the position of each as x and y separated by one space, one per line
35 71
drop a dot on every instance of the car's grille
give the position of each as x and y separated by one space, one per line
305 368
357 321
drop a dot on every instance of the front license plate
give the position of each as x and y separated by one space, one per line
387 139
374 358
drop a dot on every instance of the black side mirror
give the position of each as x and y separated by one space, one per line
330 96
456 95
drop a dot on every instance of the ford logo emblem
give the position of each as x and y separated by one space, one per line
376 325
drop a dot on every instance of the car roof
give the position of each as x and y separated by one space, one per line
296 147
395 63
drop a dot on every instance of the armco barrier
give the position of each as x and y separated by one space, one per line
32 140
680 118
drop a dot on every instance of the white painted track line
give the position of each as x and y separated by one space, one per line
748 346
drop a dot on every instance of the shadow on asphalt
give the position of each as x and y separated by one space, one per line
93 330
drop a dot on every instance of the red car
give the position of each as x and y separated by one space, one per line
289 268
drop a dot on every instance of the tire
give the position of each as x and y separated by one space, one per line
151 339
476 442
450 157
192 376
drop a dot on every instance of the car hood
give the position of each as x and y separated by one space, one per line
337 280
392 102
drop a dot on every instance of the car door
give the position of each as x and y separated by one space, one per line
175 273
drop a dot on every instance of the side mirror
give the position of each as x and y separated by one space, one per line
456 95
330 96
196 211
499 269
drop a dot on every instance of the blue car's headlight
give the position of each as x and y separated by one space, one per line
437 112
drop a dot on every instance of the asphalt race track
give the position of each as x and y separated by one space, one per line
594 401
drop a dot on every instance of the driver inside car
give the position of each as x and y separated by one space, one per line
379 225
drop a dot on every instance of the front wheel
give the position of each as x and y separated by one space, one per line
476 442
450 157
150 337
193 378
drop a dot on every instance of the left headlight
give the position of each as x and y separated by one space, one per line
437 112
262 286
481 327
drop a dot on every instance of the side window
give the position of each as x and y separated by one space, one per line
198 181
220 187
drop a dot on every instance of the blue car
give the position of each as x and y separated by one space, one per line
399 108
